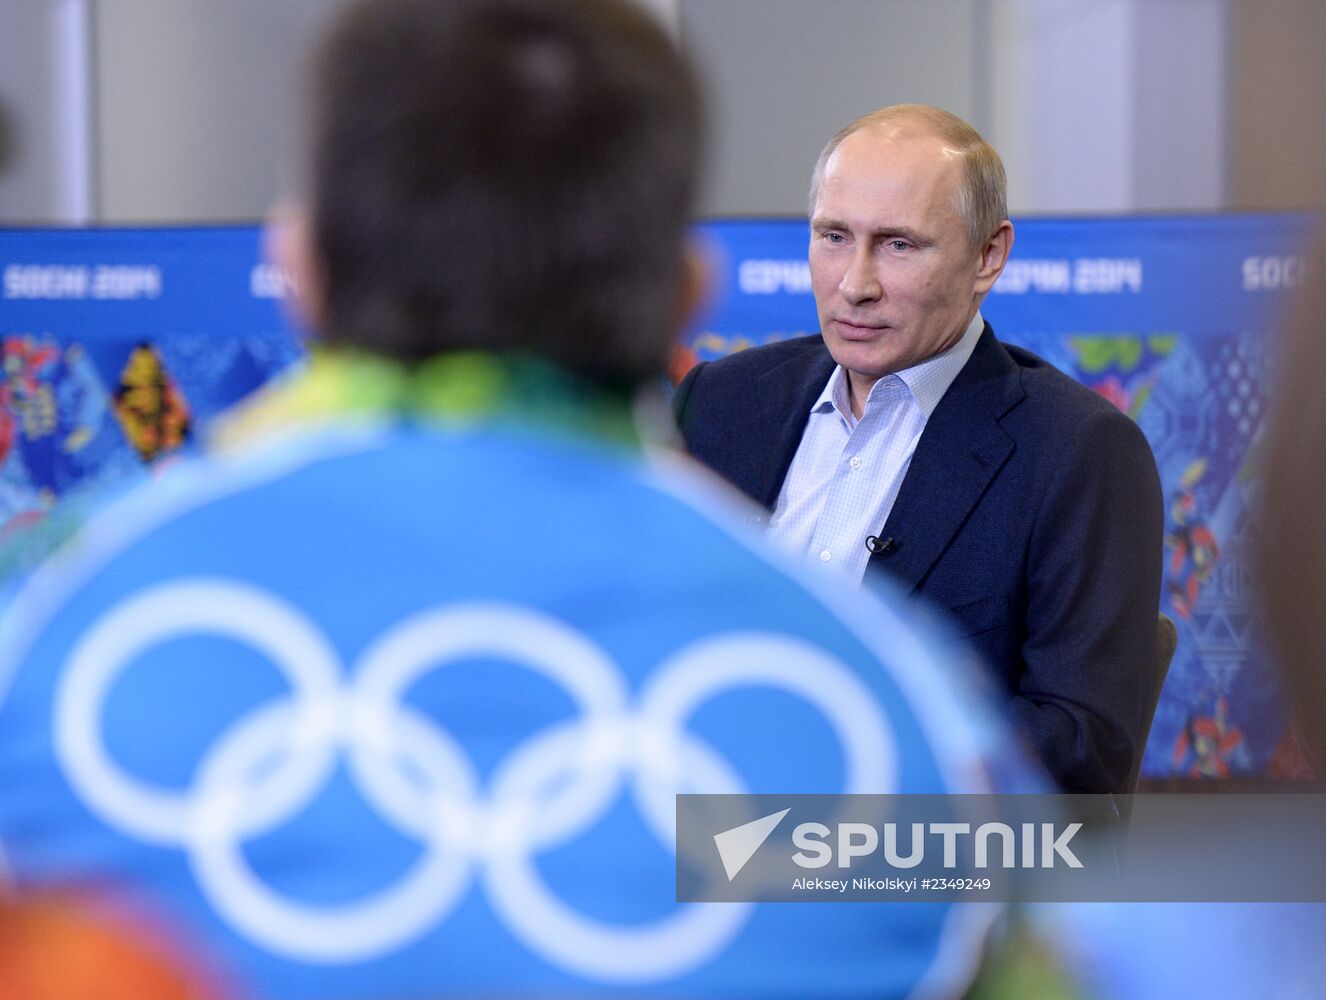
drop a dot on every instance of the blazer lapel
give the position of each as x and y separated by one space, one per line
784 422
961 450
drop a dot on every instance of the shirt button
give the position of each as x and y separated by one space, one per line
826 555
856 461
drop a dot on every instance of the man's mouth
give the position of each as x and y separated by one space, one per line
857 331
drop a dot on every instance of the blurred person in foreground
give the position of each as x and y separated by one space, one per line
906 443
392 695
1292 524
57 949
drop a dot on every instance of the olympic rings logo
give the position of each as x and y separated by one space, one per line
272 762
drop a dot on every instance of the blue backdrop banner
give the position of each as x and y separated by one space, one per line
118 345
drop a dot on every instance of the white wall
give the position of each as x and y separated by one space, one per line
1096 105
785 75
46 125
1110 105
194 104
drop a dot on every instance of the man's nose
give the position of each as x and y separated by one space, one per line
860 282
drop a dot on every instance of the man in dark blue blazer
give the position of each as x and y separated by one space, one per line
907 441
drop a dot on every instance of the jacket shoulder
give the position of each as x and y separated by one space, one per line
719 391
1083 425
1048 386
755 361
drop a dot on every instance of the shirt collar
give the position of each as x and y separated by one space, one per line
927 381
464 388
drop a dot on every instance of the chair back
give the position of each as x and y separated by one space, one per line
1167 638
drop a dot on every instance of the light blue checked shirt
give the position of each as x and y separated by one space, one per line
847 472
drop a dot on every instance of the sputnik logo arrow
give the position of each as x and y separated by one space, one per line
738 845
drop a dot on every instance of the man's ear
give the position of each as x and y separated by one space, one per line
289 244
994 255
696 283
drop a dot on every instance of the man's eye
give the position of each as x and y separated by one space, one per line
835 238
899 245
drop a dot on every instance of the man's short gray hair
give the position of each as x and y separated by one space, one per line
982 197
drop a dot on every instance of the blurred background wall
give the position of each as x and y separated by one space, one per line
147 111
